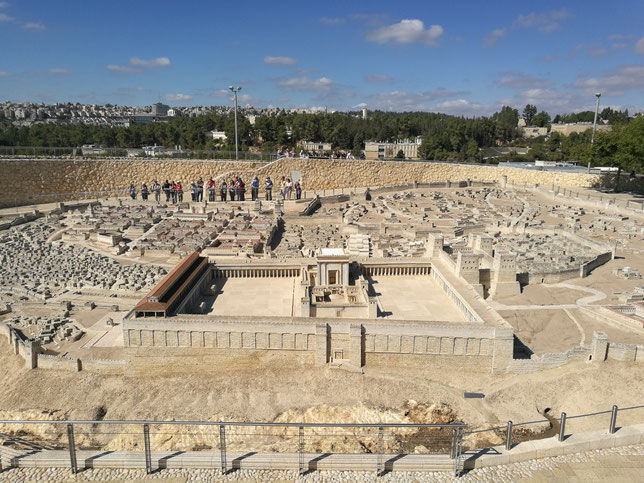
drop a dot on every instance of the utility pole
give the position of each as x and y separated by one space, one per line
235 91
592 139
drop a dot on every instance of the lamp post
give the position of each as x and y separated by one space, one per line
235 91
592 138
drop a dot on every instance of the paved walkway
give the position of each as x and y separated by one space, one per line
622 464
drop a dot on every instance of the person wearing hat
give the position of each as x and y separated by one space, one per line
268 186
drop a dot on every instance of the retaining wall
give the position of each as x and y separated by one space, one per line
33 179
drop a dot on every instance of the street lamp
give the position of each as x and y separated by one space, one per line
592 138
235 91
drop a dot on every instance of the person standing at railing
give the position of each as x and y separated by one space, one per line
156 189
298 190
288 188
179 188
254 188
223 190
166 189
200 189
193 191
231 189
132 191
210 186
268 186
241 189
144 191
173 192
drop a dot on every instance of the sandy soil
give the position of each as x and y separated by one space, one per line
544 331
297 393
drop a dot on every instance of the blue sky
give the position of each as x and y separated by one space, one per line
459 57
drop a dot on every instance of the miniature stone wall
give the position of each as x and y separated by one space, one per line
32 179
240 340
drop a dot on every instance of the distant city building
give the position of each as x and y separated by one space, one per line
154 150
160 109
174 112
533 131
218 135
376 150
578 127
90 149
311 146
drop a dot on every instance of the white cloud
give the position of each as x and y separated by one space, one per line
406 32
306 71
4 73
305 83
4 4
550 100
332 20
378 78
121 68
639 46
221 93
520 80
493 36
58 71
137 65
547 58
409 101
544 22
614 83
176 97
150 63
5 18
33 26
461 107
279 60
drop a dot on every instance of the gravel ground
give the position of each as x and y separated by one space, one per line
576 467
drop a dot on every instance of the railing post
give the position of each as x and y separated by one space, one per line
508 437
380 466
562 426
146 446
613 420
300 450
72 448
222 449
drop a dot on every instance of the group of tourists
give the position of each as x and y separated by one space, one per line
235 190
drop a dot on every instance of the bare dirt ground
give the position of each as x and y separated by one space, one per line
321 394
544 332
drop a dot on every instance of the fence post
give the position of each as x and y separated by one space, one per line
613 420
222 449
380 466
508 437
300 450
72 448
146 446
562 426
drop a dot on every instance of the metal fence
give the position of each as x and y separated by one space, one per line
156 445
558 426
76 152
232 445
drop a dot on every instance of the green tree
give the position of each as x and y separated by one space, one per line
400 154
529 111
541 120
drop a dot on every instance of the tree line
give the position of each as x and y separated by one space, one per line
445 137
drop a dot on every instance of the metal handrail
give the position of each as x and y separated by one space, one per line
496 428
241 423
